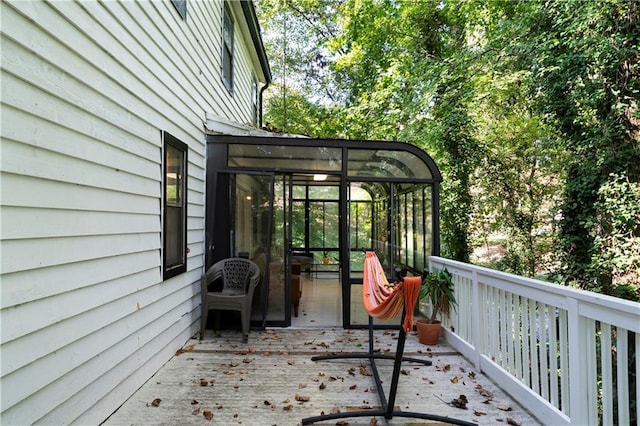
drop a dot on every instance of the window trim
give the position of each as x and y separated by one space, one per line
169 271
228 24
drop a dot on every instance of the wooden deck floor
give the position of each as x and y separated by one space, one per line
272 381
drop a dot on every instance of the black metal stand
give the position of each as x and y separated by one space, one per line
388 405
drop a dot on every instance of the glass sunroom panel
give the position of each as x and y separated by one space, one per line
324 192
386 163
285 157
428 221
418 211
298 224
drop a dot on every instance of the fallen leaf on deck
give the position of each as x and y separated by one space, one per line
287 407
195 412
229 372
512 422
156 402
323 386
194 402
486 393
460 402
187 348
373 422
504 407
302 398
454 380
207 415
479 413
364 371
405 372
352 387
290 362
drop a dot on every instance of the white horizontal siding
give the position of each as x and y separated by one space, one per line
34 284
87 88
30 191
30 223
61 377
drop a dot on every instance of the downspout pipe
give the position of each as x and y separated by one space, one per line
260 103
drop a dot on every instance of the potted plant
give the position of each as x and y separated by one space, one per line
325 257
437 288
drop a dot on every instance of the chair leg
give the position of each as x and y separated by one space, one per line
245 316
203 320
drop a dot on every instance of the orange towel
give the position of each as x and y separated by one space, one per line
385 300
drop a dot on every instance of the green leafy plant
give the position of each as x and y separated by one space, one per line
437 287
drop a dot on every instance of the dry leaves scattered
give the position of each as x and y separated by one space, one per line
302 398
187 348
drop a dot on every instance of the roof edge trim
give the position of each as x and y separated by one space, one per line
251 17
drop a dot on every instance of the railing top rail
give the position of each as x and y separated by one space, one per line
599 306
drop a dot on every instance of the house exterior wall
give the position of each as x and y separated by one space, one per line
86 89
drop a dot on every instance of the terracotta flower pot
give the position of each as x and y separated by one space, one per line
428 333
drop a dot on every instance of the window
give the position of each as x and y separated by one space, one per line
174 236
227 49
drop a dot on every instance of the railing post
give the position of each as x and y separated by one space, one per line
480 322
578 390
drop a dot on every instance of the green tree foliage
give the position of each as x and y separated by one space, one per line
616 237
528 107
585 62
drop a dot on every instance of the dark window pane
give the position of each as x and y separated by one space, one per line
174 237
175 207
227 49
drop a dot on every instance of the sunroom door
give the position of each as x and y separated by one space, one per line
246 225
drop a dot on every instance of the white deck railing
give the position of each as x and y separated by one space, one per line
563 354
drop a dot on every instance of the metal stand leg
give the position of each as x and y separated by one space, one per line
387 412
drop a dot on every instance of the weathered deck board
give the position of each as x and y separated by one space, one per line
257 383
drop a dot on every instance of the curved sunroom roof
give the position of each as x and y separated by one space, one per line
358 159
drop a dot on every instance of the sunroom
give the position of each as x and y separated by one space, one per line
322 202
